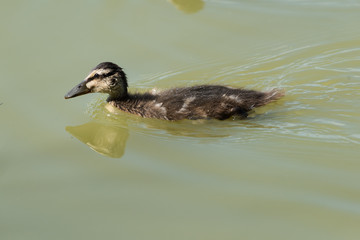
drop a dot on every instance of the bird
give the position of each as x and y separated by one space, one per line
195 102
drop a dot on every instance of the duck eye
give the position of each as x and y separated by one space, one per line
113 82
96 75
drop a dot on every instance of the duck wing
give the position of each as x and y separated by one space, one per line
212 101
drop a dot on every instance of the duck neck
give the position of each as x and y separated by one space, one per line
117 95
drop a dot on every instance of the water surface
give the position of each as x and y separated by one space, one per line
70 169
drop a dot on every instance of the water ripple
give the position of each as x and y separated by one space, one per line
321 83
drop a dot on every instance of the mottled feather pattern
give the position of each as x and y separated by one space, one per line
198 102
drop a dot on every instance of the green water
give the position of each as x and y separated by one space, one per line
72 169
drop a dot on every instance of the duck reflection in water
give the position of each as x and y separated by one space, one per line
108 140
188 6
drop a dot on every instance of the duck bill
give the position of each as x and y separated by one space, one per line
78 90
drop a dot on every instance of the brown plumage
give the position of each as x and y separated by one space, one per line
197 102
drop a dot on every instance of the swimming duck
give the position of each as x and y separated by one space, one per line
197 102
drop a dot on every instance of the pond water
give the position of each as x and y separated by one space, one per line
72 169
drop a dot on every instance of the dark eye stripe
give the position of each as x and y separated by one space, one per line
108 74
102 75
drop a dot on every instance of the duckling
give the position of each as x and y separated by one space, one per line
197 102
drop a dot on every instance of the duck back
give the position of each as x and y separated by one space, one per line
198 102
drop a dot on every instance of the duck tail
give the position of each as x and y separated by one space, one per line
271 96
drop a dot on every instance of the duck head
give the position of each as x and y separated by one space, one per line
106 77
